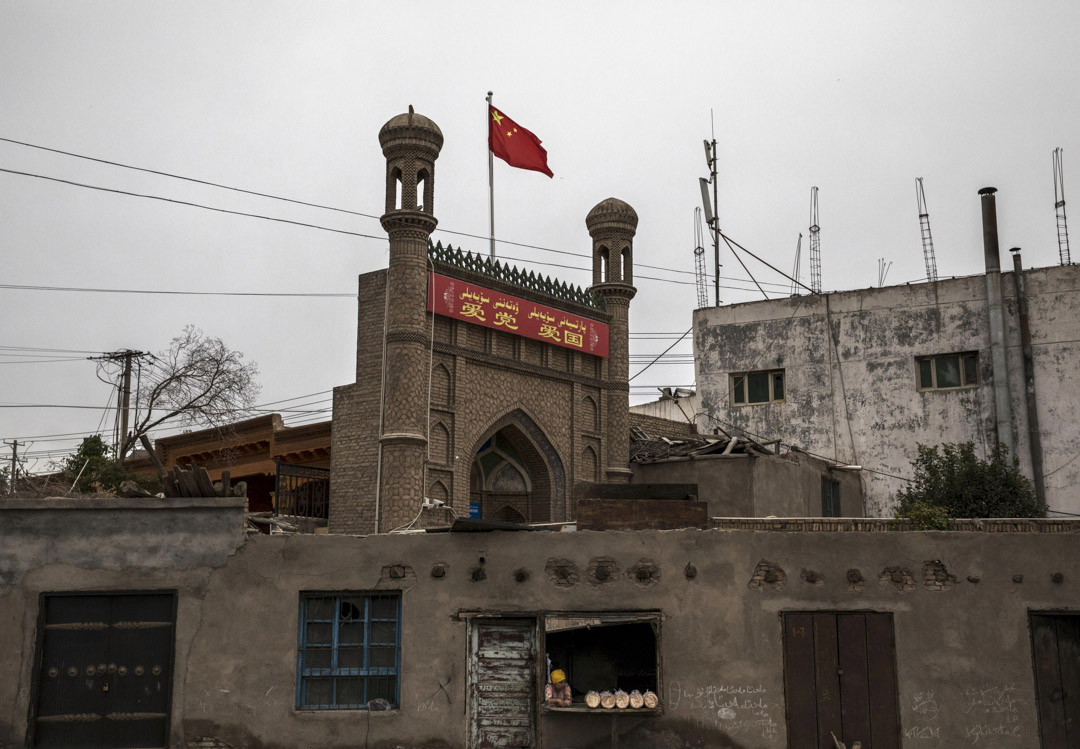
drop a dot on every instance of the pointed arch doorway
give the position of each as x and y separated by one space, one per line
516 475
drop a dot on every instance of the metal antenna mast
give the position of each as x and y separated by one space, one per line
924 228
815 244
882 271
1059 210
699 262
795 270
711 208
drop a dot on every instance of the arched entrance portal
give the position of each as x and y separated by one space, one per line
512 478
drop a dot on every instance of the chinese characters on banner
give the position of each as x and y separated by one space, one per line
492 309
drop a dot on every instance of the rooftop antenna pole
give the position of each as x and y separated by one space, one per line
795 270
1059 210
882 271
699 262
711 208
815 244
491 176
924 229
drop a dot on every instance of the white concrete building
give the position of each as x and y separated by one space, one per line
865 376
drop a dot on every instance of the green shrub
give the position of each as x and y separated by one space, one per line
959 484
102 472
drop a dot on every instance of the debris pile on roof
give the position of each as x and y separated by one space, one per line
645 449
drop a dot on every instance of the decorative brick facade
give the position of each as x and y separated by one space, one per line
448 386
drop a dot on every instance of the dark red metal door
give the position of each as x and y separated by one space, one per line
1055 646
105 671
840 679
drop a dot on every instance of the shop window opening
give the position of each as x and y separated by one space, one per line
601 654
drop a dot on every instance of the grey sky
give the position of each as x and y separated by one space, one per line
287 98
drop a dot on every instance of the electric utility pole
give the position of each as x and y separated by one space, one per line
15 445
123 357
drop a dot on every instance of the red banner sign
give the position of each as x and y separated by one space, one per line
492 309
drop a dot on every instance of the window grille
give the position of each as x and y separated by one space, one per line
349 651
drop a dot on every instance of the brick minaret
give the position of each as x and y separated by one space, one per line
612 224
411 143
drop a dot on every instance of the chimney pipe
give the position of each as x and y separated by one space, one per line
1002 401
1034 434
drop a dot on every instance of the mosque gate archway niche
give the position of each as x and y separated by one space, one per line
515 474
478 382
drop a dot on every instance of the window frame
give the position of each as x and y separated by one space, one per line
961 357
335 672
738 380
652 617
830 492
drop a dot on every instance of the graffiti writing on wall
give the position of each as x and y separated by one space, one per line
737 709
989 713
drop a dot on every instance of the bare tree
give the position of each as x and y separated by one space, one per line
197 380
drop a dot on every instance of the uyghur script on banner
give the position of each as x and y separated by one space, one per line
493 309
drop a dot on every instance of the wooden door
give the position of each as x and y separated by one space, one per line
502 683
1055 648
840 679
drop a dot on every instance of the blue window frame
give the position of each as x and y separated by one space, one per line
349 653
830 498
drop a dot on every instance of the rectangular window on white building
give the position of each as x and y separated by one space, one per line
750 388
948 371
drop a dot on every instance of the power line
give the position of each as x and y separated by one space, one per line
822 457
191 204
58 351
114 408
327 295
661 354
42 361
314 205
304 224
30 287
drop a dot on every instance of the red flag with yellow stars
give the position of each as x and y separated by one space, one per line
515 145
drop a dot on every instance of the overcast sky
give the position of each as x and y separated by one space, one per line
287 98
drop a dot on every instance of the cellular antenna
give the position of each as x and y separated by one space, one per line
815 244
795 270
711 206
1059 210
699 262
924 228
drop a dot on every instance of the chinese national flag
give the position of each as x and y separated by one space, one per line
515 145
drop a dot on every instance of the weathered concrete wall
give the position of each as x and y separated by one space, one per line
681 409
960 615
86 544
787 485
660 426
850 374
725 482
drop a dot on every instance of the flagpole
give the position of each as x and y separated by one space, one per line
491 177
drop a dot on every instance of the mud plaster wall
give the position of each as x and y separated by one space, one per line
850 374
102 545
786 485
963 649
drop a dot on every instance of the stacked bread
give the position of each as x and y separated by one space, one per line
622 700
